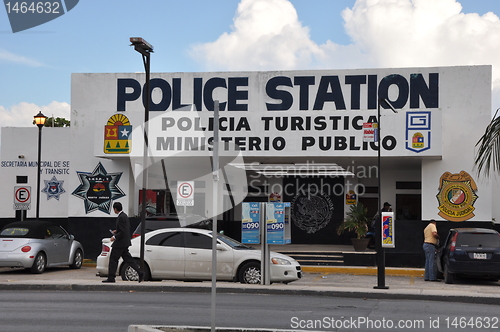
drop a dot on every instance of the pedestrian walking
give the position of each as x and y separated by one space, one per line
121 242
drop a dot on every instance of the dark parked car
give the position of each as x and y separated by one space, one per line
470 251
173 220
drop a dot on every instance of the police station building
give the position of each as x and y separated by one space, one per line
304 137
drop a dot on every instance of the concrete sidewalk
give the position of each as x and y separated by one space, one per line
403 283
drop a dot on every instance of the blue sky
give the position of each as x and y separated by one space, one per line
193 35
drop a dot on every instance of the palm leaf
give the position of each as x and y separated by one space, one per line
488 154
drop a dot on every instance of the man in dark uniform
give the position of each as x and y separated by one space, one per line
121 242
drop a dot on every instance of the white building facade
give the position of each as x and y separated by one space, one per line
296 136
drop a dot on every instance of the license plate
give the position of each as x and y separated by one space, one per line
479 255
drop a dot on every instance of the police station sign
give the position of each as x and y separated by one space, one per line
296 113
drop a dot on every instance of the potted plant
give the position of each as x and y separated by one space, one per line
356 221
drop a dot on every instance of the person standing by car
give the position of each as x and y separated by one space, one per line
431 238
121 242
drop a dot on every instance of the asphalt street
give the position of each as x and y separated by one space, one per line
112 311
343 282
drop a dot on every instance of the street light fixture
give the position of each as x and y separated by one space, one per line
145 48
40 122
378 228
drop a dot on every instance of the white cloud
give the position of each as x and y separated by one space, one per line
404 33
6 56
267 35
21 115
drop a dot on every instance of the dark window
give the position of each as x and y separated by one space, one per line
167 239
408 185
198 241
408 207
371 190
478 240
55 232
21 179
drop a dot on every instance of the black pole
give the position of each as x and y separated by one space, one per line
378 223
145 59
38 171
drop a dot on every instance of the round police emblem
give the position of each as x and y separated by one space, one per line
456 197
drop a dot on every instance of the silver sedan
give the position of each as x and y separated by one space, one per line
36 245
186 254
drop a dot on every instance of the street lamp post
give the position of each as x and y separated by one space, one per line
378 228
145 48
40 122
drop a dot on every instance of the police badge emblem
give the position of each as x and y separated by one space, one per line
456 197
53 188
98 189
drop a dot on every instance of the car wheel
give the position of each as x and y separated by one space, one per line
448 277
77 260
129 274
250 273
39 263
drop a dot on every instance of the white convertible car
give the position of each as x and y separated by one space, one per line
186 254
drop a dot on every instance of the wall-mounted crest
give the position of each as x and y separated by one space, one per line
98 189
418 131
311 210
118 134
456 197
53 188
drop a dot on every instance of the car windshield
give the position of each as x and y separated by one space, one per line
232 242
478 240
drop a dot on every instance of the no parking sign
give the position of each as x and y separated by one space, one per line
22 197
185 193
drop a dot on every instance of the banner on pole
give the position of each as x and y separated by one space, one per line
388 230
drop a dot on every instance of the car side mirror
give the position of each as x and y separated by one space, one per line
71 237
221 247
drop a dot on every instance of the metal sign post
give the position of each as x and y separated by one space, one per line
264 260
378 231
215 195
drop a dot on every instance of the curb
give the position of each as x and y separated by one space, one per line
363 270
365 293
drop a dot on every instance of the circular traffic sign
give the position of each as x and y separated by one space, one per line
185 190
22 195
